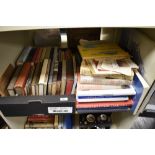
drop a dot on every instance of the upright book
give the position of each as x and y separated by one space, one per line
69 76
10 87
22 78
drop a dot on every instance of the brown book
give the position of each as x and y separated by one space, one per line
56 121
35 80
4 80
28 89
10 87
22 78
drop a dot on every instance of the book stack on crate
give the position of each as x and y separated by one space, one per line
106 82
41 71
49 122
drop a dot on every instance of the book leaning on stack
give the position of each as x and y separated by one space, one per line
108 80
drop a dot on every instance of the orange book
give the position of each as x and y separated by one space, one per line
22 78
4 80
104 104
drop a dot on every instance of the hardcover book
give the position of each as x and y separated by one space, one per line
69 76
43 77
23 55
22 78
35 80
10 87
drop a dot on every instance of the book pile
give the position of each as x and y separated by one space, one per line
42 71
41 121
105 78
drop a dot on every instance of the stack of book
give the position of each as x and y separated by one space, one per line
41 121
43 71
105 78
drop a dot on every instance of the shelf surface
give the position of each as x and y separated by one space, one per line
28 105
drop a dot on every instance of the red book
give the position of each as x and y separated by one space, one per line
22 78
104 104
35 55
69 76
41 118
37 60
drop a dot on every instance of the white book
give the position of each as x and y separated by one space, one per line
129 90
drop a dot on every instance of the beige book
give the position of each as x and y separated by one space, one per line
35 80
63 78
43 55
4 80
47 53
38 125
46 76
43 77
56 121
51 73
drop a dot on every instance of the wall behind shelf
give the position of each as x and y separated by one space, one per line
11 44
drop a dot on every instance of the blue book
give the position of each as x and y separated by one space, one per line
141 88
68 121
101 110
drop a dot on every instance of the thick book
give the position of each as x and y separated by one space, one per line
10 87
51 72
4 80
43 77
141 87
104 104
126 91
22 78
69 76
103 81
23 55
29 81
85 99
102 52
35 80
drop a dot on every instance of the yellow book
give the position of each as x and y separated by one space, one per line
94 53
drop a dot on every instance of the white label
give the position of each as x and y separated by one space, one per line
64 99
52 110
